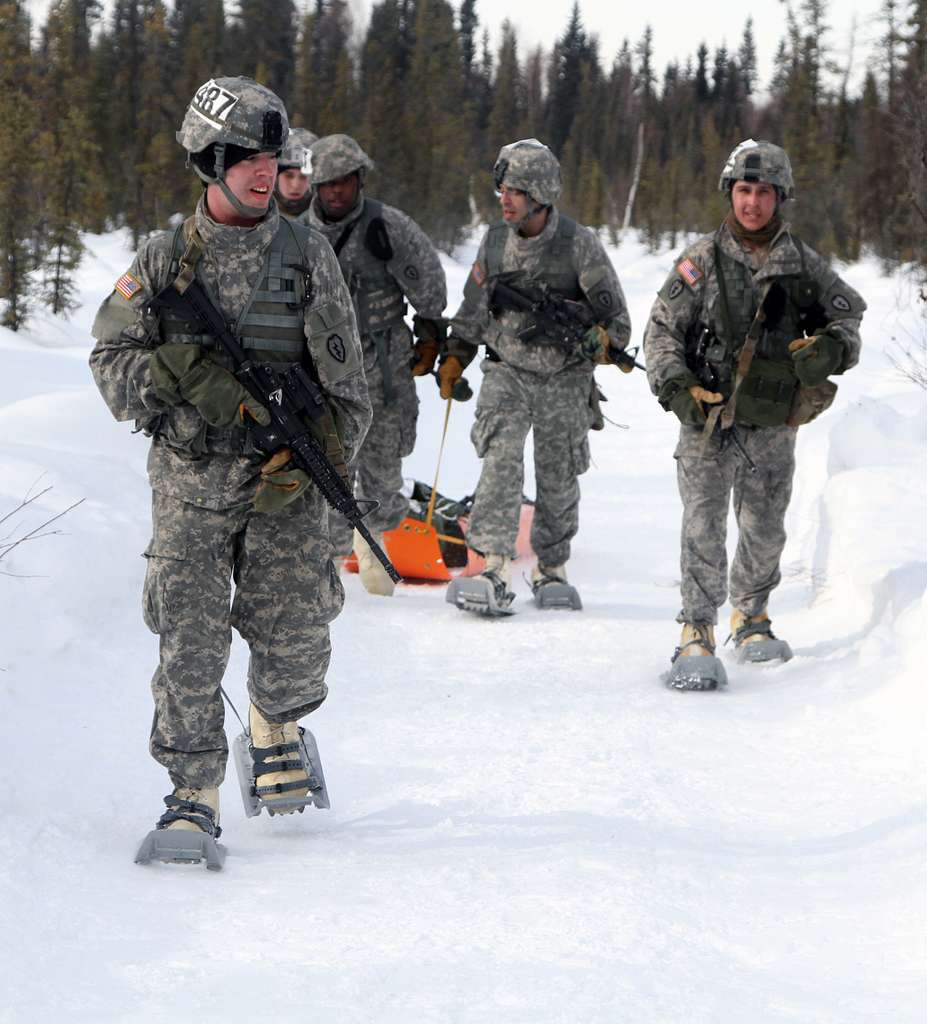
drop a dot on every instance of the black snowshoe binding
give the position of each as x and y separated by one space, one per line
766 647
183 845
486 594
696 671
252 765
552 591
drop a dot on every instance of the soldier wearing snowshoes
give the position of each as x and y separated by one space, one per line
293 189
531 381
223 511
387 260
741 343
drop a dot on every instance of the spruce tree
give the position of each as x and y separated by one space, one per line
19 156
437 145
68 145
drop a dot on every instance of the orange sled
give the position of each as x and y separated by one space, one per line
414 547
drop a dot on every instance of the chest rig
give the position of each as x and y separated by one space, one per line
271 328
271 324
556 266
379 303
769 315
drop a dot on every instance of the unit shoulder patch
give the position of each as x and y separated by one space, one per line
478 274
336 348
842 303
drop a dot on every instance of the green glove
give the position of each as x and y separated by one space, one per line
182 373
817 358
594 345
279 485
687 410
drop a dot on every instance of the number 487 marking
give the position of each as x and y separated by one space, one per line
213 103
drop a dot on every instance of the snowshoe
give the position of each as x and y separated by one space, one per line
551 590
187 831
695 666
754 640
269 777
486 594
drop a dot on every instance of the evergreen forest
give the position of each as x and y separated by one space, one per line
90 101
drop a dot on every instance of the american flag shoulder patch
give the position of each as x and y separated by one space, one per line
127 286
689 272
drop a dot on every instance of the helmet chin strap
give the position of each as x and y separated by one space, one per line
243 209
519 224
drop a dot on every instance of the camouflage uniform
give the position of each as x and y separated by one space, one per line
206 532
386 259
755 462
534 385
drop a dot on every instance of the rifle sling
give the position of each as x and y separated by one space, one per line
727 411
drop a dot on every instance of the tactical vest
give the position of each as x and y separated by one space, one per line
556 266
271 327
378 301
791 309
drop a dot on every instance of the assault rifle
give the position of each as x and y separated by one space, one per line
552 316
293 400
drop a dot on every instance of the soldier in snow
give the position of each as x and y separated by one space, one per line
530 381
741 342
293 190
221 510
386 259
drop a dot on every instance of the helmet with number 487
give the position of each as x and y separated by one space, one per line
228 120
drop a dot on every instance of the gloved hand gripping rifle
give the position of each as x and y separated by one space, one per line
293 400
552 315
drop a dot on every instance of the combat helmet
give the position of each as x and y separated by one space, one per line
227 120
759 162
530 166
336 156
296 153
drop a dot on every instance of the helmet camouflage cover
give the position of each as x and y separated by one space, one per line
759 162
296 152
530 166
237 112
336 156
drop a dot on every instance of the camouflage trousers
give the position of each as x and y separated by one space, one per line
376 470
286 593
556 408
755 465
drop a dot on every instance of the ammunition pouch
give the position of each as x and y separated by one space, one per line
765 397
810 402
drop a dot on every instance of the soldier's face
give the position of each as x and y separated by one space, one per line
339 197
754 203
292 184
516 206
252 180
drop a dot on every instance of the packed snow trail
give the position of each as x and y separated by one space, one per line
525 826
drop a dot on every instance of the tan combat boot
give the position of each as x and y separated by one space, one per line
698 639
500 566
266 735
541 574
754 640
200 808
373 576
752 628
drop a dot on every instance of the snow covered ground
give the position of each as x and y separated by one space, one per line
526 826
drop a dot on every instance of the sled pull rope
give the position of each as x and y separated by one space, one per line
232 706
434 486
